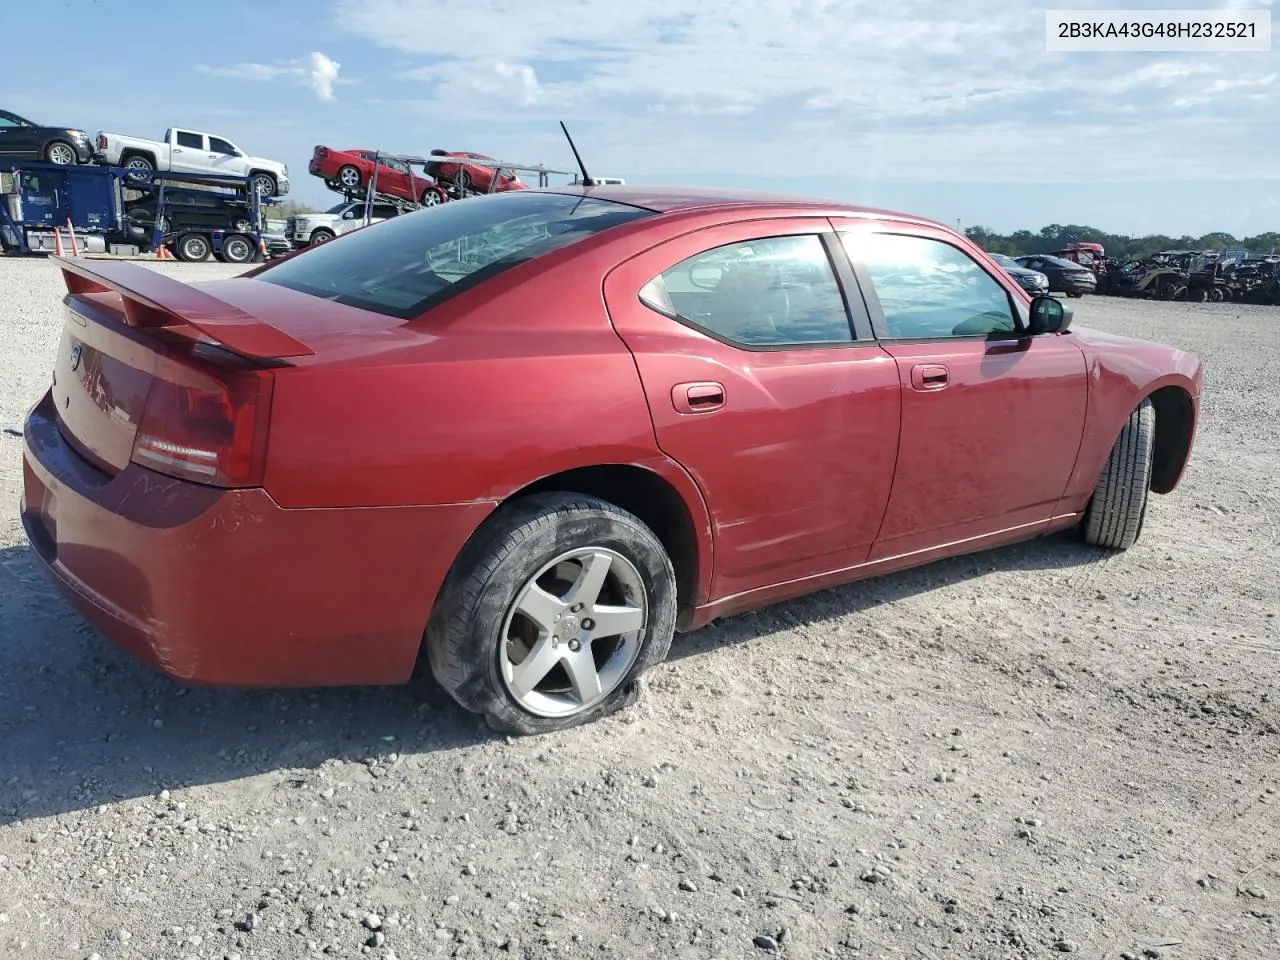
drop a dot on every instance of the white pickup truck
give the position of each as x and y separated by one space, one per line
190 151
306 229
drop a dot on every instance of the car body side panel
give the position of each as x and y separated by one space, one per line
472 402
993 449
1122 371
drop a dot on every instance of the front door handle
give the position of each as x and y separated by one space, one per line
929 376
701 397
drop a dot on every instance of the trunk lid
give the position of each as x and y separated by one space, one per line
127 329
155 371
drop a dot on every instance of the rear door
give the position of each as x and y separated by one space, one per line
768 389
991 419
189 153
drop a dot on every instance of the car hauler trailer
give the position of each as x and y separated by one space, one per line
39 199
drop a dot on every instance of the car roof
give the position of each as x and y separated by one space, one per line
687 199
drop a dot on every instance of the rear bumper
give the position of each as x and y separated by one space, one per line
1072 285
227 588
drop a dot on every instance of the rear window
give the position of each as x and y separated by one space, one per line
404 266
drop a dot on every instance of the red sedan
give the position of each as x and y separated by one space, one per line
525 438
472 177
351 171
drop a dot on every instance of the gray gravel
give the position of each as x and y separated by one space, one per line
1031 751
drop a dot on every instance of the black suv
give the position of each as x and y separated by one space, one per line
20 139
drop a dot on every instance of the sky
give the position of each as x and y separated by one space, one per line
951 110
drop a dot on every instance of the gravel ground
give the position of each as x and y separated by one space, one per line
1031 751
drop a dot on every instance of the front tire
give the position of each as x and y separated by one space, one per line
264 184
552 614
1118 507
61 153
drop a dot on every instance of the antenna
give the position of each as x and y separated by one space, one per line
586 179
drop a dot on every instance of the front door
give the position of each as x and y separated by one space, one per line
393 177
225 158
782 408
991 419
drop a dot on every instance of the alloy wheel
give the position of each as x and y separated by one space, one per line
573 632
62 154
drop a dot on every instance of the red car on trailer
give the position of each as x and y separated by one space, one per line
350 171
477 177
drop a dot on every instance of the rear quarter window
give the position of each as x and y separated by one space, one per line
404 266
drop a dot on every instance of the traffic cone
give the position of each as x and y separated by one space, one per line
57 242
162 253
262 248
75 250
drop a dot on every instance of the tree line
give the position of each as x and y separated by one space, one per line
1056 236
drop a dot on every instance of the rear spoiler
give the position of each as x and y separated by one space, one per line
152 299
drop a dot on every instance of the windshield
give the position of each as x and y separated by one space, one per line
404 266
1003 261
340 208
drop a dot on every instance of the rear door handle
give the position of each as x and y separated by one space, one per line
929 376
701 397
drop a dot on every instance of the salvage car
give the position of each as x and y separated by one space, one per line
520 441
20 139
351 170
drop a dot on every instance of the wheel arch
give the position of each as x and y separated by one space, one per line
44 149
1175 428
663 498
138 152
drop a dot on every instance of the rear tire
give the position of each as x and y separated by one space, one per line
349 178
193 248
238 249
1118 507
480 635
139 165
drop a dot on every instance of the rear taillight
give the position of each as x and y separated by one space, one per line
205 428
322 151
102 141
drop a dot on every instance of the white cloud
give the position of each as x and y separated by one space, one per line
316 70
925 89
323 73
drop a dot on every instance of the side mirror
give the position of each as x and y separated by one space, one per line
1048 315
